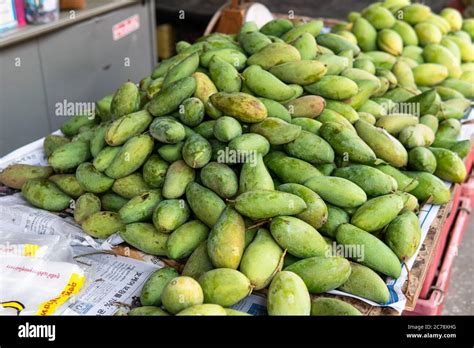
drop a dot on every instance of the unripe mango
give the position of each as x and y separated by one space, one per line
288 295
336 217
140 208
103 224
274 54
366 283
429 188
44 194
178 176
338 191
290 169
449 166
126 127
430 74
321 273
227 240
324 306
371 180
86 205
376 254
67 157
244 107
185 239
377 212
169 98
224 286
16 175
421 159
276 131
403 235
91 180
155 284
333 87
198 263
145 237
181 293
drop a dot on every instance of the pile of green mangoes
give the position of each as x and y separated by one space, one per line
252 158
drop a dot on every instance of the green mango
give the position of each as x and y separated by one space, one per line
185 239
334 64
463 87
275 109
261 260
346 143
406 32
140 208
421 159
404 183
227 240
224 75
415 136
379 17
178 176
438 54
97 143
145 237
250 142
229 55
430 121
264 204
390 41
125 100
130 185
154 171
52 142
276 131
307 124
126 127
429 188
365 33
224 286
227 128
15 175
324 306
198 263
254 176
169 98
311 148
265 84
321 273
371 180
333 87
377 212
67 157
462 148
366 283
298 237
277 27
337 43
111 201
289 169
181 293
171 152
309 106
313 27
364 64
415 13
191 113
377 255
196 151
449 166
170 214
301 72
44 194
91 180
76 124
306 45
205 204
205 87
288 295
220 178
86 205
184 68
202 310
103 224
105 157
167 130
205 129
336 217
395 123
403 235
243 107
155 284
372 108
404 75
316 213
338 191
132 155
103 108
254 41
343 109
429 74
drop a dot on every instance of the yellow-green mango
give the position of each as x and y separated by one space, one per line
67 157
125 100
181 293
325 306
17 174
449 165
178 176
333 87
320 273
288 295
376 254
403 235
227 240
311 148
244 107
206 205
198 263
127 126
103 224
277 27
415 13
203 310
366 283
132 155
68 184
44 194
105 157
390 41
170 214
145 237
169 98
52 142
254 176
306 45
86 205
338 191
274 54
404 183
91 180
224 286
130 185
417 135
140 208
205 87
429 188
371 180
289 169
276 131
439 54
336 217
379 17
334 64
155 284
312 27
377 212
430 74
185 239
111 201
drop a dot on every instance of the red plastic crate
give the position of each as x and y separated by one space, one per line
434 304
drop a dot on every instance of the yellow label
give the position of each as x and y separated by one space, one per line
30 250
73 286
